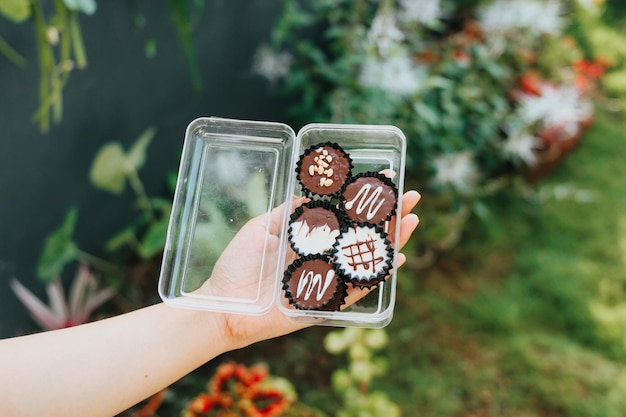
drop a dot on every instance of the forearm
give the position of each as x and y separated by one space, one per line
105 367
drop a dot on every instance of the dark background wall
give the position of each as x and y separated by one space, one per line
115 98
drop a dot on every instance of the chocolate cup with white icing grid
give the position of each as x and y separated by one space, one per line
363 255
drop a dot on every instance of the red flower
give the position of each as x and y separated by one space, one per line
231 378
202 403
265 403
235 389
530 83
590 69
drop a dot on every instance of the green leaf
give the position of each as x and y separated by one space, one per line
125 237
128 235
150 49
108 171
136 156
15 10
154 239
86 6
172 179
59 248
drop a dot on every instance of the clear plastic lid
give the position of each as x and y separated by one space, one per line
227 248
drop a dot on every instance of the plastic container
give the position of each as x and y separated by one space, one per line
233 199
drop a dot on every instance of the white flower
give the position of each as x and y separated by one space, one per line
383 33
520 146
503 17
423 12
458 171
397 75
270 64
557 107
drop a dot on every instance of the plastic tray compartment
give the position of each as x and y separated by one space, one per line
226 248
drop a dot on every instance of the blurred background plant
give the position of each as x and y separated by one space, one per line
353 383
84 298
486 92
61 47
239 391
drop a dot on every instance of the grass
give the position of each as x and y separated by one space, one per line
529 320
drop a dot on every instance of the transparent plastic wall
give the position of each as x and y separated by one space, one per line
226 247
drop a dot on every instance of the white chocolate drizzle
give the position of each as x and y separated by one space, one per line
311 282
367 200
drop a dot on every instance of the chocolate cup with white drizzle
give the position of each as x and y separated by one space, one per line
369 197
312 283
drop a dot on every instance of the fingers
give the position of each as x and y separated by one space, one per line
408 224
409 201
400 259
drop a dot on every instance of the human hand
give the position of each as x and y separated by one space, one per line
250 253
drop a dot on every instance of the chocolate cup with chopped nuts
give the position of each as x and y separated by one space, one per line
369 197
323 170
312 283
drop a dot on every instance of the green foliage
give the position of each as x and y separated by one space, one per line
569 377
59 248
112 166
60 50
60 46
111 170
108 171
530 321
462 93
15 10
184 20
352 382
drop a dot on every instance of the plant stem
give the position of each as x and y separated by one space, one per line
96 261
46 66
142 198
182 20
11 54
77 40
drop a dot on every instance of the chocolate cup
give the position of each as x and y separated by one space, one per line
316 214
369 197
312 283
320 177
355 257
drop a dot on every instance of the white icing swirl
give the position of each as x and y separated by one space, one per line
366 199
311 282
